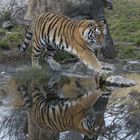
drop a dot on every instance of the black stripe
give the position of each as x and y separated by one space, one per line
37 45
36 95
44 112
48 31
48 18
42 45
65 111
54 115
62 22
46 15
59 120
29 33
49 28
48 117
73 28
66 42
44 25
43 28
60 107
37 49
70 123
42 106
37 100
47 111
61 41
71 25
28 38
36 55
26 44
55 21
66 23
51 122
54 36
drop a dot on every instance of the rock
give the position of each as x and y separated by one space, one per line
69 135
108 68
7 25
132 66
119 81
23 68
3 73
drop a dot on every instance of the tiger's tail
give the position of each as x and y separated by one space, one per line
28 37
26 97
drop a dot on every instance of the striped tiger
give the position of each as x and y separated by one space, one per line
51 32
55 115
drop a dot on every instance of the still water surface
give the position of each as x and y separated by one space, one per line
121 111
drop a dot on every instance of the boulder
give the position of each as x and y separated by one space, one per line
108 68
132 66
119 81
7 25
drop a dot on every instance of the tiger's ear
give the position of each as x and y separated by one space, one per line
91 22
105 26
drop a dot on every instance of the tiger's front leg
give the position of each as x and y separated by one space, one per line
48 55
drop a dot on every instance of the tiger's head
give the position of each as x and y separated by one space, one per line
92 126
94 32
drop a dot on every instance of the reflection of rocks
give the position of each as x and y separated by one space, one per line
134 96
70 136
3 94
12 124
1 103
81 68
119 81
4 76
7 25
77 68
133 66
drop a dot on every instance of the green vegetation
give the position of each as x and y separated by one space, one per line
124 24
124 21
129 52
60 56
2 32
33 74
3 45
11 39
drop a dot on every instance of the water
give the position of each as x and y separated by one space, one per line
121 111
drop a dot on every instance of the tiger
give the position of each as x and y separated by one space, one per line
57 114
51 32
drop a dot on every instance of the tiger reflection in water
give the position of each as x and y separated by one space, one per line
54 114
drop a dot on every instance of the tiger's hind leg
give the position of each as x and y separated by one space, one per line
48 55
36 53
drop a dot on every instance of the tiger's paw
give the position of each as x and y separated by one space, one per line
54 65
